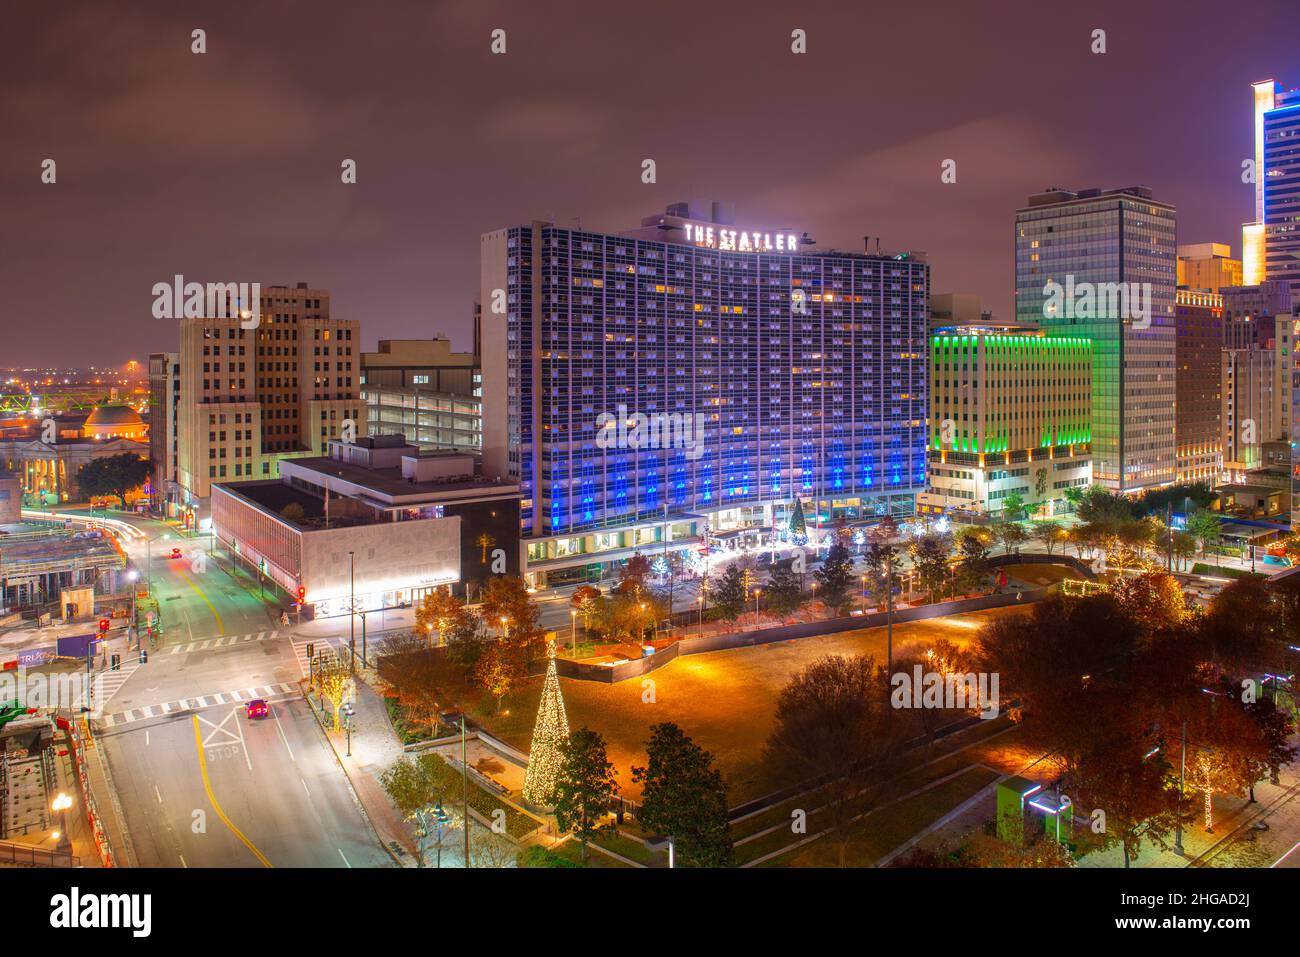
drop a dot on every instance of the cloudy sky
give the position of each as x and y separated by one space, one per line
226 166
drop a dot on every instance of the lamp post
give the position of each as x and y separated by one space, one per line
1182 774
573 630
352 611
440 819
61 804
148 558
757 592
131 576
348 711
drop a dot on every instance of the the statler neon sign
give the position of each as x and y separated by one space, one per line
717 237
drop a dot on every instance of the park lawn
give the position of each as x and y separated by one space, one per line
724 700
449 782
1041 576
948 755
631 848
571 850
882 831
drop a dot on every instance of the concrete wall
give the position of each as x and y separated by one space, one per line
765 636
388 556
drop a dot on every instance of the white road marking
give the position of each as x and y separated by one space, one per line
345 860
182 857
305 788
159 793
1285 856
279 727
240 729
146 737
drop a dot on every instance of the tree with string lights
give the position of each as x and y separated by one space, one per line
550 735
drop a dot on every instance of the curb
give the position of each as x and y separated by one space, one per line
356 798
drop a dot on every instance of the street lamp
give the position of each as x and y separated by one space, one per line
148 557
440 819
573 630
131 576
348 711
352 611
61 804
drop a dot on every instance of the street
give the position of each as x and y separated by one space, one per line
200 784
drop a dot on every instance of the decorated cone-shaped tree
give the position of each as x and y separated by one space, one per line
797 532
549 736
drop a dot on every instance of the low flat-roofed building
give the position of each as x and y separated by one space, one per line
375 518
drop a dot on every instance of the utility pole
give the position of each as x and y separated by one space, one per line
464 785
352 612
1182 771
889 608
1169 524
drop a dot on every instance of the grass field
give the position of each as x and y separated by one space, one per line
724 700
884 830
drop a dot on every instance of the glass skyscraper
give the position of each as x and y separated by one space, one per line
1271 244
805 371
1101 265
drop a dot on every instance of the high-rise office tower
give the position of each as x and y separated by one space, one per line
1271 243
1199 346
1100 265
164 405
251 396
695 376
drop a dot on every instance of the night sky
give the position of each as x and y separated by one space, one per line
226 166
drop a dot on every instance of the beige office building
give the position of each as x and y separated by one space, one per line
252 396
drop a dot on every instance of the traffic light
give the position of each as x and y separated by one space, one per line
311 650
103 624
117 663
144 656
302 594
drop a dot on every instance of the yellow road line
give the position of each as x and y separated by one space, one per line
216 614
207 786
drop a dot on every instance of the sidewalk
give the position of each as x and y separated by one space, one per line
375 748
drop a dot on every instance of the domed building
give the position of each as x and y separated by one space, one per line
47 454
114 422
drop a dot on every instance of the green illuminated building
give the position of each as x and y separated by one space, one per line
1010 415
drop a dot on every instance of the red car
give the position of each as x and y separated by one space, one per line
176 553
257 708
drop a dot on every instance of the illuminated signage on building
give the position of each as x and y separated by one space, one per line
725 238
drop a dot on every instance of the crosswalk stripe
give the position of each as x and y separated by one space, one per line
194 704
224 641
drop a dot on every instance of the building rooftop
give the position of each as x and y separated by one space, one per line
388 483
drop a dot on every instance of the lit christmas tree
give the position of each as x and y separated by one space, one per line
549 735
797 530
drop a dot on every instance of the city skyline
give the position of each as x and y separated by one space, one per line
248 139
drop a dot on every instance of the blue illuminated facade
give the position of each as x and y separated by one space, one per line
806 370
